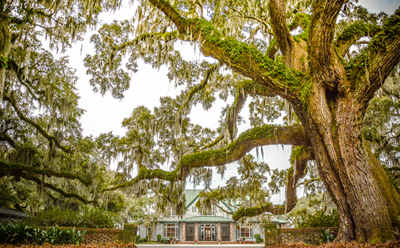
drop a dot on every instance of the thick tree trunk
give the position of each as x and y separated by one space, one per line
367 203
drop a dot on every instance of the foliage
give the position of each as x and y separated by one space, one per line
314 211
106 245
261 57
258 238
319 218
88 217
19 233
392 244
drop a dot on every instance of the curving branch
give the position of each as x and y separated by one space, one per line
17 169
51 138
259 136
240 56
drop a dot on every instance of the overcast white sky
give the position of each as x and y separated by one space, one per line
105 114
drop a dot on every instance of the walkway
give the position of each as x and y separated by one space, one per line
200 246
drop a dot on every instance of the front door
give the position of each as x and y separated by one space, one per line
208 232
225 232
189 232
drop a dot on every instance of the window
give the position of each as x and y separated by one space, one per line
209 211
170 230
172 212
245 232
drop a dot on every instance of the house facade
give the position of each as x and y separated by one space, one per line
210 225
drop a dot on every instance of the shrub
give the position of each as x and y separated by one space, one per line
19 233
106 245
258 238
319 218
88 217
159 238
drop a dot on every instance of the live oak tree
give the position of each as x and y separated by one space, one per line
41 144
322 60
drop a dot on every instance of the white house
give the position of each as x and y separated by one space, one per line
206 225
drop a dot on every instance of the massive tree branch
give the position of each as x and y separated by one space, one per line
51 138
277 10
321 34
17 169
240 56
259 136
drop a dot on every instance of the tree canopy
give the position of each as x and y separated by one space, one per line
328 70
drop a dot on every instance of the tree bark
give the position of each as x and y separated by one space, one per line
367 203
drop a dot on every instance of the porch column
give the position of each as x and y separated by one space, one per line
219 237
196 231
183 231
233 230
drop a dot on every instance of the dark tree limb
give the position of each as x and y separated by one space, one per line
51 138
57 189
17 169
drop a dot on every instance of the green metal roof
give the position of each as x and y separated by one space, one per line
191 196
210 219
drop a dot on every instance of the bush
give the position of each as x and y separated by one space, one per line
19 233
319 218
258 238
159 238
107 245
88 217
